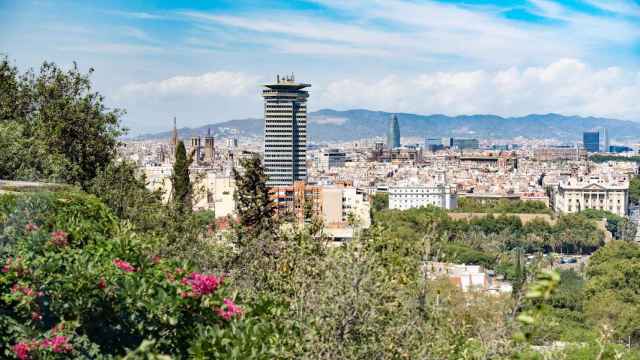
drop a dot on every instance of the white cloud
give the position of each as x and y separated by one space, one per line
566 86
220 83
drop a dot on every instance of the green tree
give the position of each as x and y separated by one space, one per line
59 114
120 187
254 206
634 190
379 202
180 180
612 292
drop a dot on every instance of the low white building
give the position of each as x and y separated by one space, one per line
575 194
416 196
467 277
215 192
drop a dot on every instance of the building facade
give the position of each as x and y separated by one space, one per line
591 141
465 144
433 144
416 196
336 205
576 194
558 153
285 131
331 158
393 134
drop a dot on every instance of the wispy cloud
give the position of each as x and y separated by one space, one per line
220 83
137 15
421 30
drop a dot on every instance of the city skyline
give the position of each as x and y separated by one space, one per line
197 60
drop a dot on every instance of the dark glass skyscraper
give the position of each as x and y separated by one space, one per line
393 134
591 141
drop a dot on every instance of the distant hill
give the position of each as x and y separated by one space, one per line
333 125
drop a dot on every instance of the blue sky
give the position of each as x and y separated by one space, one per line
203 61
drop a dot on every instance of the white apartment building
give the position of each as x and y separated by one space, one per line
575 194
416 196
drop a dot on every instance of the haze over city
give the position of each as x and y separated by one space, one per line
203 61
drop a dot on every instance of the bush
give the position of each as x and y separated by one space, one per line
75 283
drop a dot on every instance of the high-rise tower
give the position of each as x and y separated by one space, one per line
285 131
591 141
393 134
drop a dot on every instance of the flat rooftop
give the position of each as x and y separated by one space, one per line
286 82
287 86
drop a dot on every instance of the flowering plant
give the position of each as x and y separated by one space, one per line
114 291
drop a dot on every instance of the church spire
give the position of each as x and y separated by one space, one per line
174 136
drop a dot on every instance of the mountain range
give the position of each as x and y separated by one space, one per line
332 125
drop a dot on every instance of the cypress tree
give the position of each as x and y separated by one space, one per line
520 275
253 203
180 180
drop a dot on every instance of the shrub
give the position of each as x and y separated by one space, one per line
74 283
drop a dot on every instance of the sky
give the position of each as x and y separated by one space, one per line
204 61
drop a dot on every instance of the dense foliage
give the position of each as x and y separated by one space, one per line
502 206
73 274
600 158
53 126
634 190
481 240
621 228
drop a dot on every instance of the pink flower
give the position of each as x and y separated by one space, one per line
202 284
102 283
31 227
25 290
21 350
7 266
57 344
229 310
59 238
124 266
36 316
156 259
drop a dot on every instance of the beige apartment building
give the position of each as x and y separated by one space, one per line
575 194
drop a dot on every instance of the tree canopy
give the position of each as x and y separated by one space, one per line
54 126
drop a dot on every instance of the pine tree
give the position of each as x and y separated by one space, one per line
180 180
253 203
